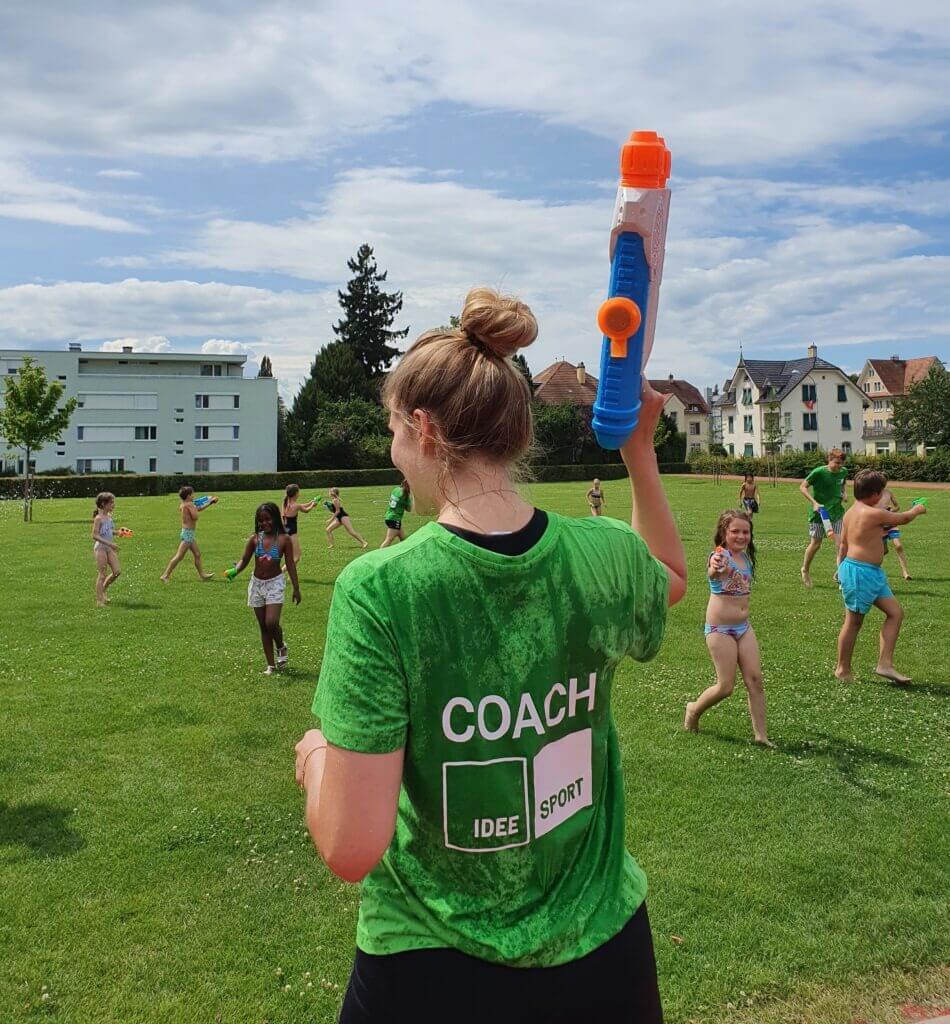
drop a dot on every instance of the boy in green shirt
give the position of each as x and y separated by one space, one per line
827 485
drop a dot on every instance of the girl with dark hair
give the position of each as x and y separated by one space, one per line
290 510
729 634
467 768
267 545
400 501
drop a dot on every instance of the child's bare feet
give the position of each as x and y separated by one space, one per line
907 576
164 579
691 720
207 576
844 675
806 579
365 545
889 672
764 741
100 604
834 576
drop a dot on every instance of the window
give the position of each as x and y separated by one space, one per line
809 421
747 424
846 421
747 396
153 465
867 387
79 433
12 369
809 393
201 433
146 433
672 416
732 449
810 446
882 449
210 369
201 465
201 401
842 393
62 376
235 464
788 421
732 425
878 405
877 385
237 430
748 451
846 447
693 429
179 419
879 423
237 401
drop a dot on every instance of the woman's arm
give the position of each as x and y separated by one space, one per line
249 549
308 507
652 517
351 803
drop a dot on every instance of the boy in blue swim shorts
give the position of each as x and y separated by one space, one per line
863 581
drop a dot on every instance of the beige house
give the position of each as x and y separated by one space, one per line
817 403
883 380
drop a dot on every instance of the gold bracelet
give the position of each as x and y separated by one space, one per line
310 753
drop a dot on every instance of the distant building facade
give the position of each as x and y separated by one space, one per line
143 412
882 381
816 403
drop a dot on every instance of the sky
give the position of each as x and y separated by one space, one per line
194 176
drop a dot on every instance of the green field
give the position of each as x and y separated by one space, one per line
153 862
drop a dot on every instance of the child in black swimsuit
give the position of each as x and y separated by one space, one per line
340 518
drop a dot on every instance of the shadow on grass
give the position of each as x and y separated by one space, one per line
41 830
137 606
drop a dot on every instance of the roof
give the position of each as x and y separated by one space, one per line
163 357
684 391
899 374
783 375
558 383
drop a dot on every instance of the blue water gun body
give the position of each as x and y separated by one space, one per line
628 317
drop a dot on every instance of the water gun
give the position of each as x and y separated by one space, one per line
329 506
123 531
205 501
826 521
231 573
628 317
919 501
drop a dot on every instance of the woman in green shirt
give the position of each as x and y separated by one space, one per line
400 501
467 769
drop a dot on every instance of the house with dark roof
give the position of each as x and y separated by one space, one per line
564 382
809 402
882 381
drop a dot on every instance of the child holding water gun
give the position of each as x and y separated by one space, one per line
339 518
749 494
730 637
889 502
289 511
863 581
827 486
186 540
595 498
104 547
267 545
400 501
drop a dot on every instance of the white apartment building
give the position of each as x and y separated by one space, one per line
818 405
143 412
883 381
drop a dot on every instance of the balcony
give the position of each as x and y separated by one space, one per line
885 433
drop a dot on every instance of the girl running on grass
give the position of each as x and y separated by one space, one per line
596 499
400 501
267 545
729 634
104 547
339 518
291 508
467 768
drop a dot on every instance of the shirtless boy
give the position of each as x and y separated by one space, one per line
186 539
863 581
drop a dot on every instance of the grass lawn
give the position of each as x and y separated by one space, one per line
153 862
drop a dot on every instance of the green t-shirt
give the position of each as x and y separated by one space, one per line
399 503
827 488
494 672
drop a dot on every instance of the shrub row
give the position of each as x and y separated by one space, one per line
934 468
131 484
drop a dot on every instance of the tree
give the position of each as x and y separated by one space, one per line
283 439
266 369
519 360
369 314
773 437
32 416
921 416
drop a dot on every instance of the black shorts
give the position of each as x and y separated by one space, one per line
290 525
751 505
615 984
340 515
393 524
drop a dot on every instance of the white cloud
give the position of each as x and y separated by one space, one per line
156 343
222 347
118 172
746 83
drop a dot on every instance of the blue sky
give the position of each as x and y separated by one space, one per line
195 177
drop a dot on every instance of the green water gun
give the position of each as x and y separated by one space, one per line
919 501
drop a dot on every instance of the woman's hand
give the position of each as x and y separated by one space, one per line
311 741
296 595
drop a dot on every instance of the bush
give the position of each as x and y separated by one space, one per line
934 468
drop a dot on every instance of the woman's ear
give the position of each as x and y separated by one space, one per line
425 431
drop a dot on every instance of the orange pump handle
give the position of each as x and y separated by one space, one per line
619 319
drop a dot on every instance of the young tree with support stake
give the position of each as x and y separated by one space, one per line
773 437
31 417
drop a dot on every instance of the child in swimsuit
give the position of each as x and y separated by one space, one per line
104 548
340 518
267 545
730 637
749 494
289 513
889 503
596 499
186 539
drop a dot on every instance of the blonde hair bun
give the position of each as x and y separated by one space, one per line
500 323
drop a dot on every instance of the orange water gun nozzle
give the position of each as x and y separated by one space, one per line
619 319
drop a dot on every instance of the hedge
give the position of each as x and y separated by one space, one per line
934 468
88 485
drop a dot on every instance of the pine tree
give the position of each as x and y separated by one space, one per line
31 416
519 360
369 314
266 369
